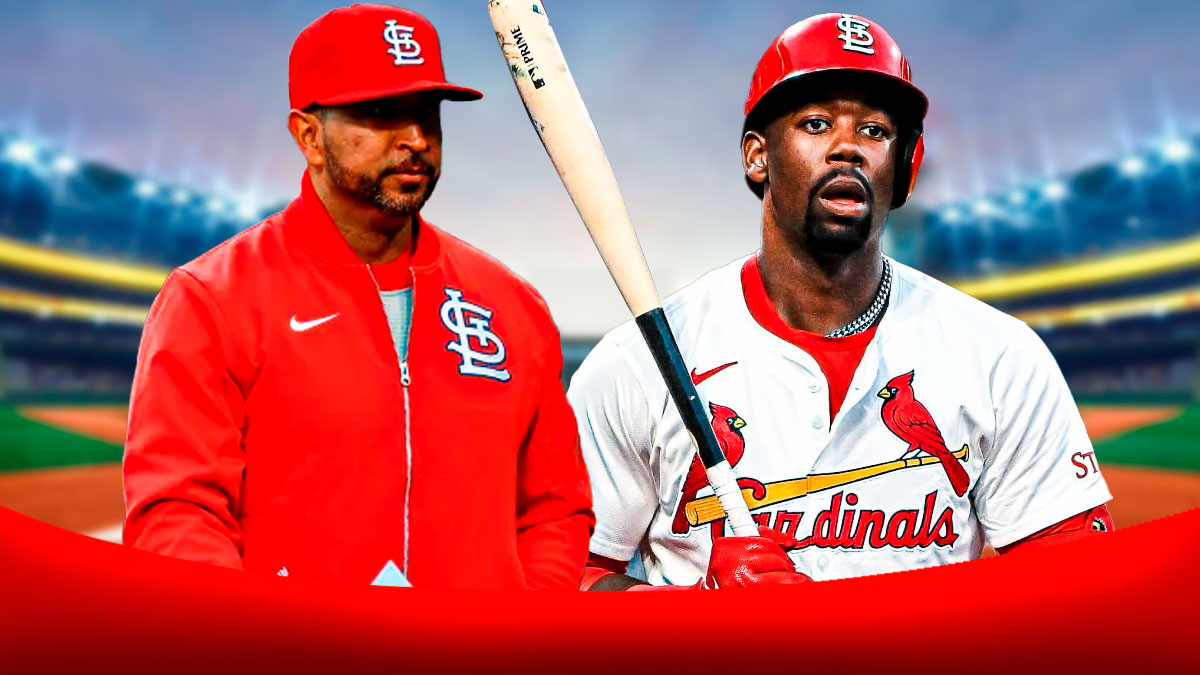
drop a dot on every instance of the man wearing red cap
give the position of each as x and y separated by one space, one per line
344 391
877 419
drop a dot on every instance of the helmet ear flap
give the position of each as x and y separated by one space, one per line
908 164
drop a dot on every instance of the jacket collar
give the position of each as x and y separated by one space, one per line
307 224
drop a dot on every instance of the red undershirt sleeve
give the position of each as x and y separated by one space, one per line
599 567
1080 525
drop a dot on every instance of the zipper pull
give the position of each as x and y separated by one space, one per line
404 378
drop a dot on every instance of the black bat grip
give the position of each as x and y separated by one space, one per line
660 339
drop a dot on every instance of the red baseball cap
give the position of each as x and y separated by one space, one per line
362 52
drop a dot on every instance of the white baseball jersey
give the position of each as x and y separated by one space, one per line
863 496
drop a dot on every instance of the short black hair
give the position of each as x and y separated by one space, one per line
318 109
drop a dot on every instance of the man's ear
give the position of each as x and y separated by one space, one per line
305 128
754 156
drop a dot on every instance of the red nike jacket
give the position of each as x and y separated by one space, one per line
272 426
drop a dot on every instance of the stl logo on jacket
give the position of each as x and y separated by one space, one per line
482 351
727 425
911 422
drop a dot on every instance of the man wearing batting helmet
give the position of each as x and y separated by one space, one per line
344 391
877 419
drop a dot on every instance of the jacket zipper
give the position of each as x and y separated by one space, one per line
405 381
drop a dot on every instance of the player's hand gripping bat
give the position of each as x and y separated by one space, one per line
562 121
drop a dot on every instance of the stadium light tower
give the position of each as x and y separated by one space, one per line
180 197
246 211
1054 191
1177 150
21 152
951 216
145 189
65 164
1132 166
984 208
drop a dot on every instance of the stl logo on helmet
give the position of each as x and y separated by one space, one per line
406 49
855 34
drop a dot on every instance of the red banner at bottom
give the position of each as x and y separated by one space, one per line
1125 600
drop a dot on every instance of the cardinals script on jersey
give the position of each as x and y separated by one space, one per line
957 430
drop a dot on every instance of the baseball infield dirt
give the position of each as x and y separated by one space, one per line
105 423
1105 421
78 498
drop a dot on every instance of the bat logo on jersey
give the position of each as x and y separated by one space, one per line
481 350
904 416
727 425
841 525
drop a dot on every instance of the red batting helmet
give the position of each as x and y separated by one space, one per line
832 45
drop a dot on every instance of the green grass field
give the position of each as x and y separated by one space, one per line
1174 444
25 444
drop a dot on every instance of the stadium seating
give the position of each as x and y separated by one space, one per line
1104 264
1145 198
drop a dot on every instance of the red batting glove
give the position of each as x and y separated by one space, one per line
752 562
747 562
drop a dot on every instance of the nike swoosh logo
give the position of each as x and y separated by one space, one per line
697 378
301 326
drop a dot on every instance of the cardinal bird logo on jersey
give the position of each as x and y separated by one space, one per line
727 425
907 418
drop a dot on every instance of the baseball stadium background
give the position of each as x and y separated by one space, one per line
1062 185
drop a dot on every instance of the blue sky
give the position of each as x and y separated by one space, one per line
196 93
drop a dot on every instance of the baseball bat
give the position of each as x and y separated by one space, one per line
562 122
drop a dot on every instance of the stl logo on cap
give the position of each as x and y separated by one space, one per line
855 35
406 49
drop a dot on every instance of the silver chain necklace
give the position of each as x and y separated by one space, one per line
867 318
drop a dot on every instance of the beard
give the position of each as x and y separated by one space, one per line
369 189
825 238
842 236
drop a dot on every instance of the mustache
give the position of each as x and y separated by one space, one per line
413 164
843 172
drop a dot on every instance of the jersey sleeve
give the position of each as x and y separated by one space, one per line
184 461
1040 468
616 432
1086 524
